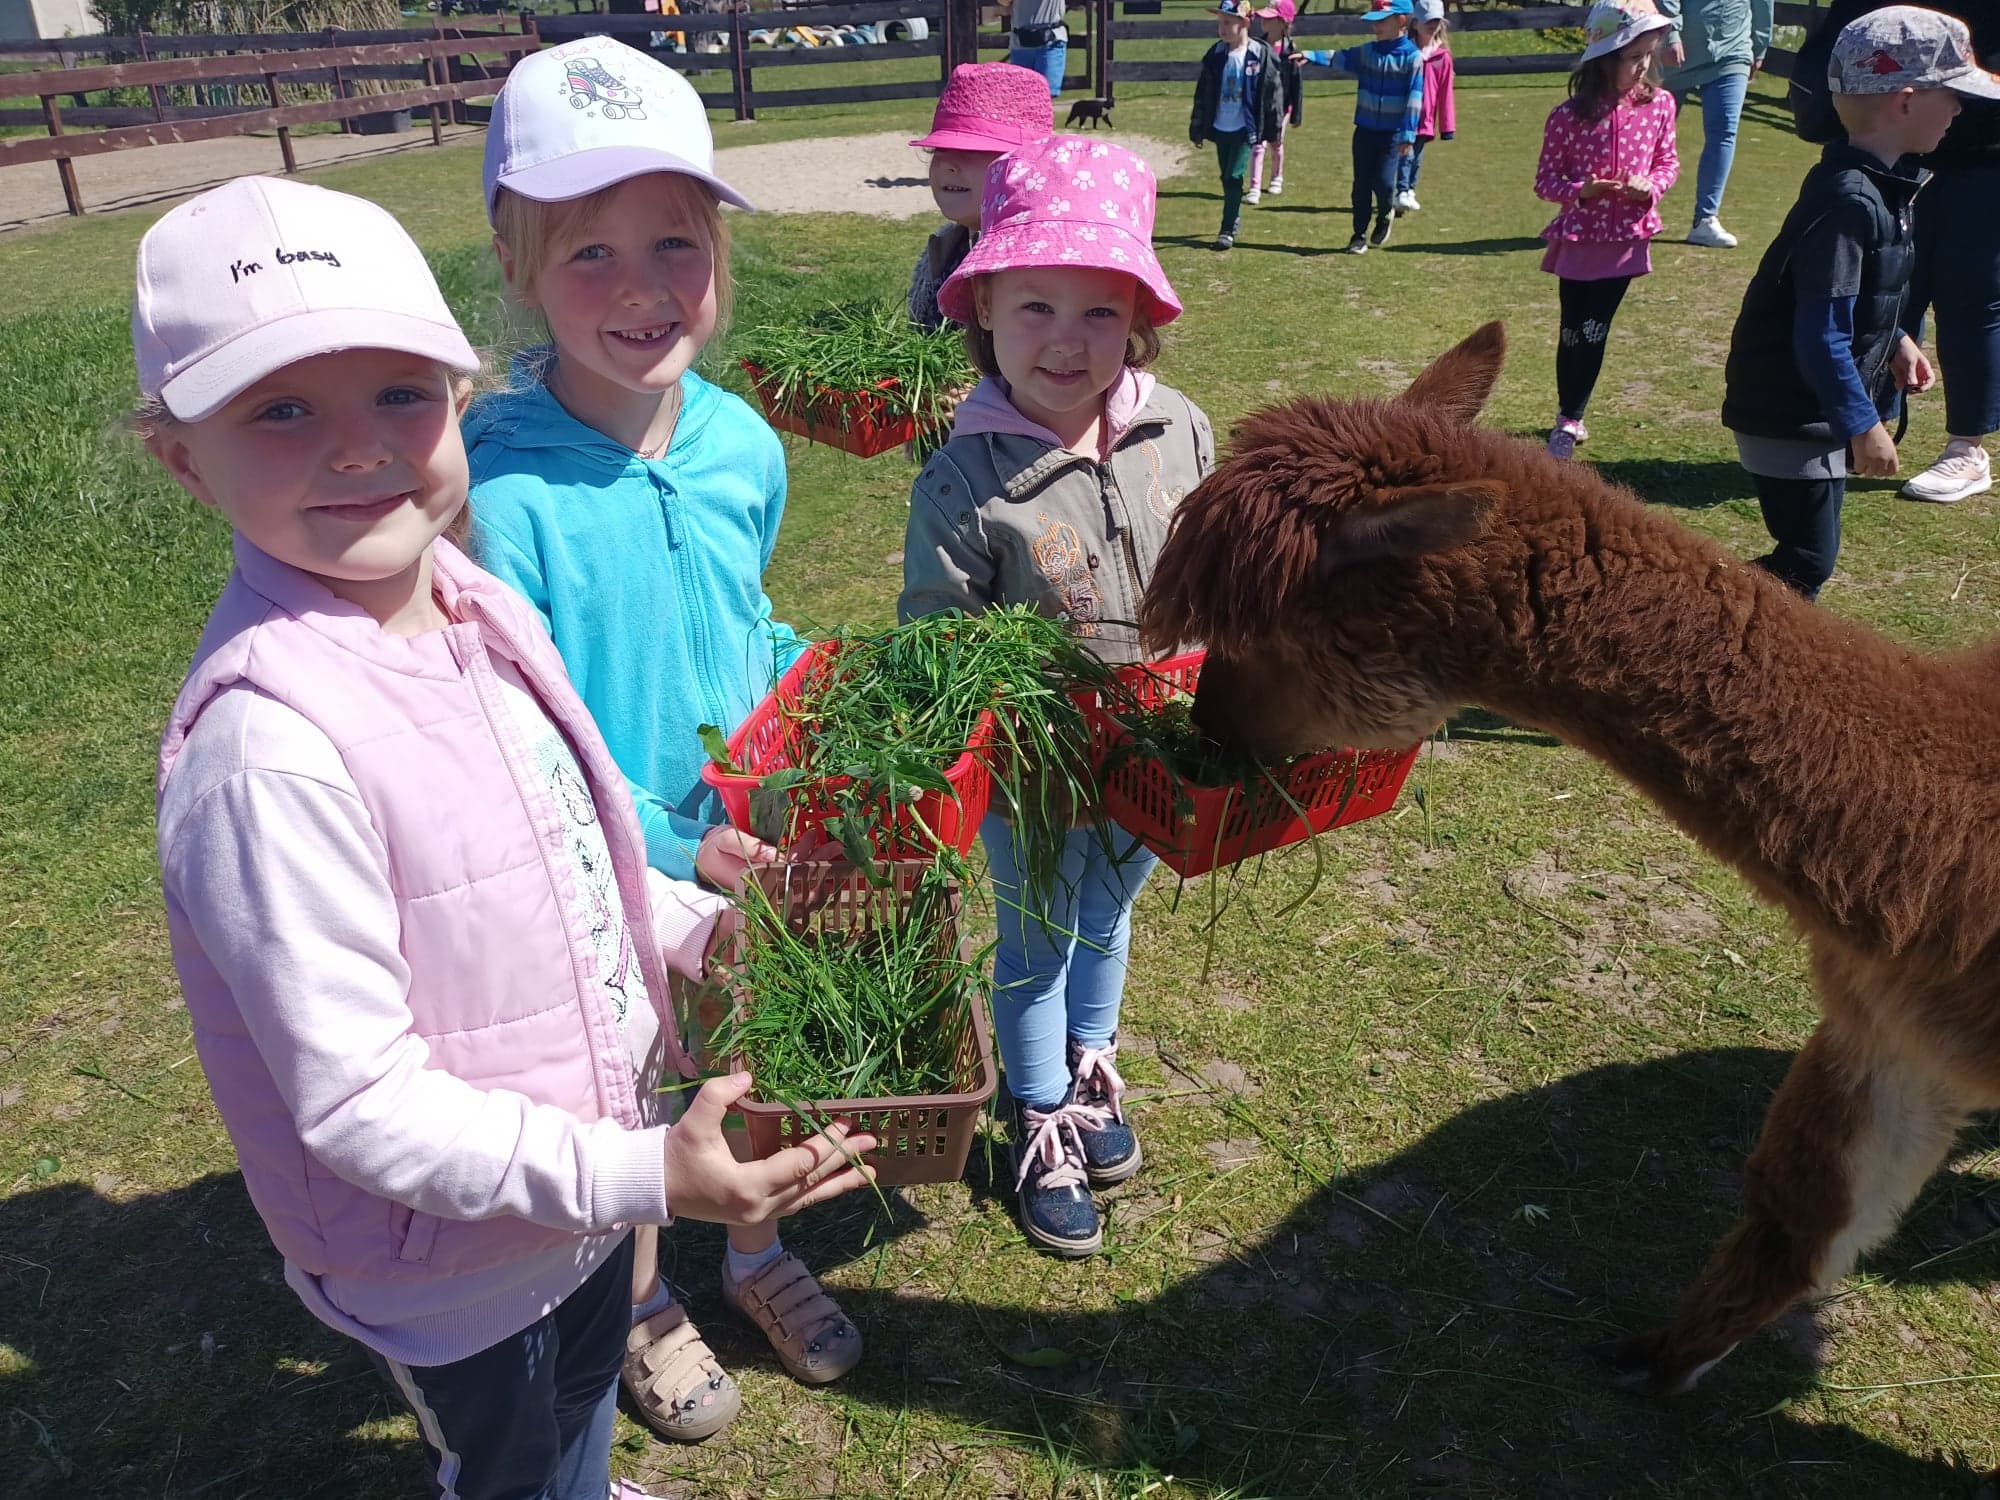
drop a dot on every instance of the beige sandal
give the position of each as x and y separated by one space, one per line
808 1332
675 1384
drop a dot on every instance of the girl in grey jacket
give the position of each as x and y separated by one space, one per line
1063 469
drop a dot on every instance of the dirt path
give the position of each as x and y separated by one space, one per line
870 174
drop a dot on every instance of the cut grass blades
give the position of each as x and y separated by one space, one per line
879 726
877 1012
856 349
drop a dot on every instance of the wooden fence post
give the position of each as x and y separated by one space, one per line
739 64
284 131
65 168
1104 49
961 31
152 89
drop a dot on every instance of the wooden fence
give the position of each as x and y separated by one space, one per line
455 65
950 25
436 63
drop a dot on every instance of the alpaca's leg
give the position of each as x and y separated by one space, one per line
1848 1142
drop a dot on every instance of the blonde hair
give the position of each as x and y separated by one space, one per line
1439 36
532 230
1142 342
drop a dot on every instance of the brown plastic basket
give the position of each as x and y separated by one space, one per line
925 1137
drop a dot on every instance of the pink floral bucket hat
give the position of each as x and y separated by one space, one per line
991 107
1066 202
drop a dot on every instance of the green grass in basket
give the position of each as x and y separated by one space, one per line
855 347
897 708
874 1013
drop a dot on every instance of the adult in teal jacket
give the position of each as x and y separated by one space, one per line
647 573
1714 48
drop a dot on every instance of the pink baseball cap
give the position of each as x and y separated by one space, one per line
262 273
579 118
1281 10
991 107
1066 202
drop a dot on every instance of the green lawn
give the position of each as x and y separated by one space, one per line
1479 1104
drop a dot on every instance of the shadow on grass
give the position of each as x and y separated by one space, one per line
1421 1324
1682 484
1207 241
1504 245
1485 725
1417 1325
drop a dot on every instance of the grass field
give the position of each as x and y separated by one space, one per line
1479 1104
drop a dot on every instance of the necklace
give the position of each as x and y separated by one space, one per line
673 405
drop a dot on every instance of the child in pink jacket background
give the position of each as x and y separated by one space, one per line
1608 157
405 882
1439 118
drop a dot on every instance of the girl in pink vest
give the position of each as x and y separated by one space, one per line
1608 158
405 882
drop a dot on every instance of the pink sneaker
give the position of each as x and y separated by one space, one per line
1563 440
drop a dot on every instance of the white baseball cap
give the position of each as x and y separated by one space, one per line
582 117
261 273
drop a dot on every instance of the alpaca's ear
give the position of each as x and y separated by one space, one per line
1460 381
1410 522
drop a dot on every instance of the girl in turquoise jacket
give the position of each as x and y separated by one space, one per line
635 506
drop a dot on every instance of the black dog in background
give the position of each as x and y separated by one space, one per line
1094 111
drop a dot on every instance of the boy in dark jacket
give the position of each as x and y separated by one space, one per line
1958 245
1819 354
1237 103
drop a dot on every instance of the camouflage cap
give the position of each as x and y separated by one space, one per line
1907 47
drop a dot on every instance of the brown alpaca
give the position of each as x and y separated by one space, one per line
1358 569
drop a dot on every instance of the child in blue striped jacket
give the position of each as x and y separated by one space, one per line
1386 112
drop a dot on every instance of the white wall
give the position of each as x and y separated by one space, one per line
47 18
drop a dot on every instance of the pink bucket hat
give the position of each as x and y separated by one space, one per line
1066 202
991 107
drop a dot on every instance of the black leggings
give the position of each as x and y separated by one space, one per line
1803 517
1587 310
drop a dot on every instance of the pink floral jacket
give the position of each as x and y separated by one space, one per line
1633 140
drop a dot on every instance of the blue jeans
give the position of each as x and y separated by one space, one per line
531 1417
1060 973
1409 166
1721 108
1958 278
1048 61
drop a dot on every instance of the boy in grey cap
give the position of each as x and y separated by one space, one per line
1818 354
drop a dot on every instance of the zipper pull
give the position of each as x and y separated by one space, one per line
1112 530
667 512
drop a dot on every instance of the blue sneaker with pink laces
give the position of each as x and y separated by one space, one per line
1051 1182
1110 1147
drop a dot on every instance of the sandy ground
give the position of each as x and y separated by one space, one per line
869 174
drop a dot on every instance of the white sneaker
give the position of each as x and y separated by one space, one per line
1961 470
1406 203
1277 185
1252 196
1710 234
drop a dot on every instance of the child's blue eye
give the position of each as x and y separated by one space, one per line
1038 307
404 395
282 411
675 242
592 252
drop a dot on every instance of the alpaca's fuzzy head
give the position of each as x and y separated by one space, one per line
1300 562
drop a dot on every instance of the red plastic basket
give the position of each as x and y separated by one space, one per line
772 737
856 422
1195 829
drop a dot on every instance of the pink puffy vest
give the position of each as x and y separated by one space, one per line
502 982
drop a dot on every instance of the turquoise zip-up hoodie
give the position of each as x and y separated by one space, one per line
648 574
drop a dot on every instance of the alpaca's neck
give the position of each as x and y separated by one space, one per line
1770 730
